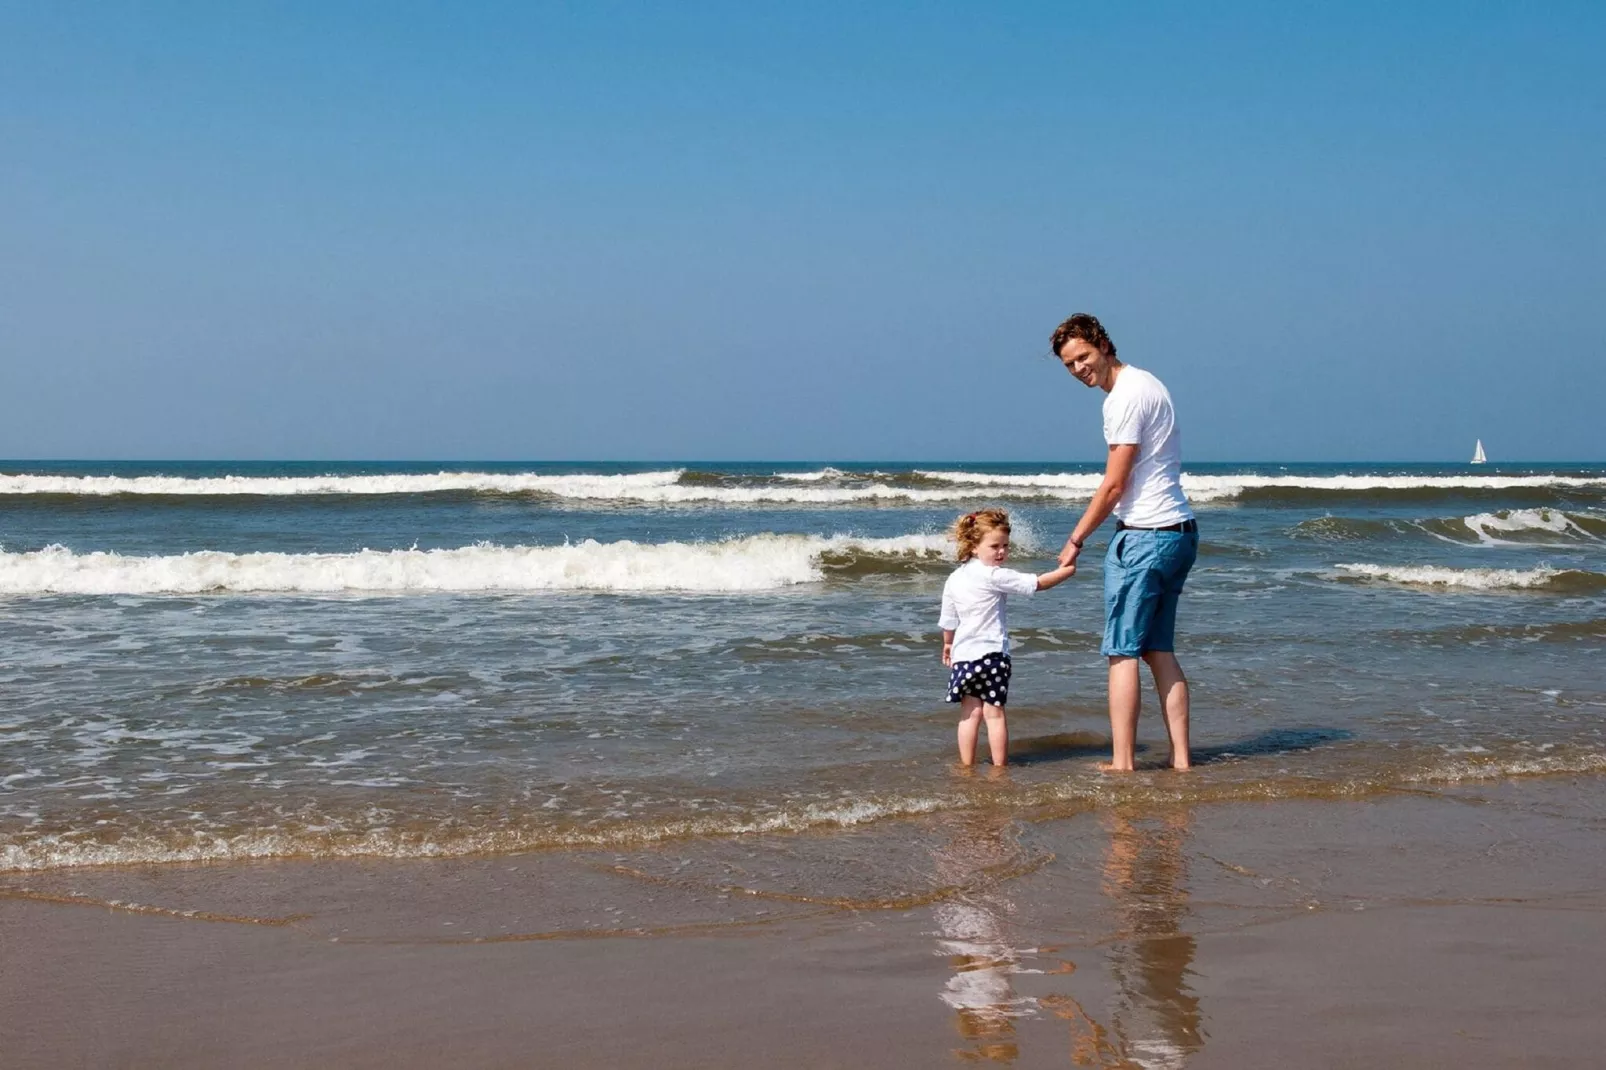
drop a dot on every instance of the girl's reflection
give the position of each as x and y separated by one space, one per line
971 933
1146 879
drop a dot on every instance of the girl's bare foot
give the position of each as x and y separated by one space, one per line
1111 767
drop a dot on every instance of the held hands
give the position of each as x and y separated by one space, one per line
1056 577
1069 555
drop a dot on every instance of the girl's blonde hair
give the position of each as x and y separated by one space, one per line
971 528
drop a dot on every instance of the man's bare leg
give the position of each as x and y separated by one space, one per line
1126 692
1172 687
997 733
969 727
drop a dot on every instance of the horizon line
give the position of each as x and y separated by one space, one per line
688 461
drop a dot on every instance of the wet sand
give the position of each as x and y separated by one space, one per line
1456 929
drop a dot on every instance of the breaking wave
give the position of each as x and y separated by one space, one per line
1551 580
1531 525
826 486
1314 488
670 487
1210 488
753 563
1506 527
581 486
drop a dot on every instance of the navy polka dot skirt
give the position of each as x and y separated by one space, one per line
987 678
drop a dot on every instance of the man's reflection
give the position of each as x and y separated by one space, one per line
1146 880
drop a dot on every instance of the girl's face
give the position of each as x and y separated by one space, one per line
993 548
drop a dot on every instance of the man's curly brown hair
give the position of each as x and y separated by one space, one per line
1088 329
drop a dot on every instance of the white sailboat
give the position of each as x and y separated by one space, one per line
1477 453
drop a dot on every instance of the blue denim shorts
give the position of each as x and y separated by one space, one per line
1143 576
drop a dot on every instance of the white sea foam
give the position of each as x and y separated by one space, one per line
1201 488
807 488
1473 766
1479 579
826 495
754 563
1489 527
584 486
1086 482
812 477
335 838
646 488
1207 488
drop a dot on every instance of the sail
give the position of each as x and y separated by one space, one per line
1477 453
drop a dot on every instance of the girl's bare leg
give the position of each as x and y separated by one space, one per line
969 728
997 733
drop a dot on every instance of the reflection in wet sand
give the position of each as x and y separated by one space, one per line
1154 1021
971 930
1157 1019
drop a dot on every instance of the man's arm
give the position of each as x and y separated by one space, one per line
1117 473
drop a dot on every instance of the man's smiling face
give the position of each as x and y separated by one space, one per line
1087 362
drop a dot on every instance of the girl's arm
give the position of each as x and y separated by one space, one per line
948 620
1055 578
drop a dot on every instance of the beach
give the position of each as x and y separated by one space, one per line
501 554
1453 929
648 765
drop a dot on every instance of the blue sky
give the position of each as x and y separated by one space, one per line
746 230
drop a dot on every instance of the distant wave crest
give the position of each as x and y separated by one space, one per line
562 486
1209 488
823 487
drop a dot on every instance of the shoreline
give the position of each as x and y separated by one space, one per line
1447 929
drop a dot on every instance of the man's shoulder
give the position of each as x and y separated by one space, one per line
1145 387
1141 379
1132 387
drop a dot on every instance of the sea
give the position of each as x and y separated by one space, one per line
212 662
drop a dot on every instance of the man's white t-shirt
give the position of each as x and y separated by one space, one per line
1137 412
973 607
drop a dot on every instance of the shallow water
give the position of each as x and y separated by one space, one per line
231 661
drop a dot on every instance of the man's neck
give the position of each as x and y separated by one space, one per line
1116 368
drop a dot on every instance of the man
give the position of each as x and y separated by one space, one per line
1156 537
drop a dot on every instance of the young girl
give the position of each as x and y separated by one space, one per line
975 630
